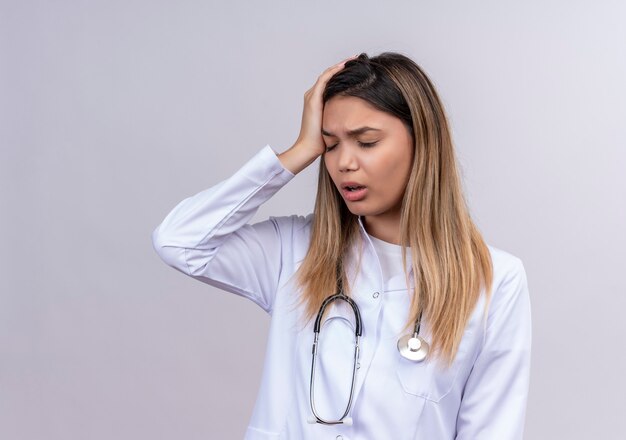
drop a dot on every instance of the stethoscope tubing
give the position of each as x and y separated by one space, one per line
316 330
357 313
411 347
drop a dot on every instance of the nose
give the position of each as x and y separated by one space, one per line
347 159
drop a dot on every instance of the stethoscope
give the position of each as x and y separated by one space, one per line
410 346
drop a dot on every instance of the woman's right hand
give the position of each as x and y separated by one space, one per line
310 143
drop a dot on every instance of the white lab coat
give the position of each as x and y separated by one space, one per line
482 396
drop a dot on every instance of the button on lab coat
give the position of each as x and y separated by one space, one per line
481 396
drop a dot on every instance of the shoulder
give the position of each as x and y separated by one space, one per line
509 285
294 231
295 223
504 261
506 266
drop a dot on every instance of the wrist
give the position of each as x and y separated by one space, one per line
298 157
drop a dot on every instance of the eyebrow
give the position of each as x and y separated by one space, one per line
353 132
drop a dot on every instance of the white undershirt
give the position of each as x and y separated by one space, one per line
390 256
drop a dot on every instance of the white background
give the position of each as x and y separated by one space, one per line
112 112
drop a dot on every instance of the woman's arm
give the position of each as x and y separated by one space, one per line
207 237
494 399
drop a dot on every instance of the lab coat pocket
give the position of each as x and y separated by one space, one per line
430 379
427 379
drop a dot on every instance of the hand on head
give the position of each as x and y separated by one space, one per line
310 143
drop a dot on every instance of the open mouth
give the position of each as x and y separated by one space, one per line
354 193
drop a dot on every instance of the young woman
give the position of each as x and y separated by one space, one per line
391 318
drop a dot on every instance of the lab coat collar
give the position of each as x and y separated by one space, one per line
370 256
372 277
372 249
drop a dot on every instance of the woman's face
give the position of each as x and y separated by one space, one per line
370 149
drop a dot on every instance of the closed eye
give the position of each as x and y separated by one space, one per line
367 144
362 144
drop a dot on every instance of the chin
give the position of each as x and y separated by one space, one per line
355 209
365 210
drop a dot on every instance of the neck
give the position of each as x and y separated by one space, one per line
386 228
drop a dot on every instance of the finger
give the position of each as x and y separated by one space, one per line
341 63
349 58
330 71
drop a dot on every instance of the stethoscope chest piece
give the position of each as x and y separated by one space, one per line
413 347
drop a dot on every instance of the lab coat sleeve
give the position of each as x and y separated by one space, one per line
207 236
494 399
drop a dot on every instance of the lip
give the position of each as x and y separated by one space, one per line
353 196
344 185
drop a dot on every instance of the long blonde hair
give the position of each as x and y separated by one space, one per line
450 260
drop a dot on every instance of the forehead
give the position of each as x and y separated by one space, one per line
343 113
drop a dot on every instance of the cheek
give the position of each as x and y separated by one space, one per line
327 163
387 169
390 173
330 168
